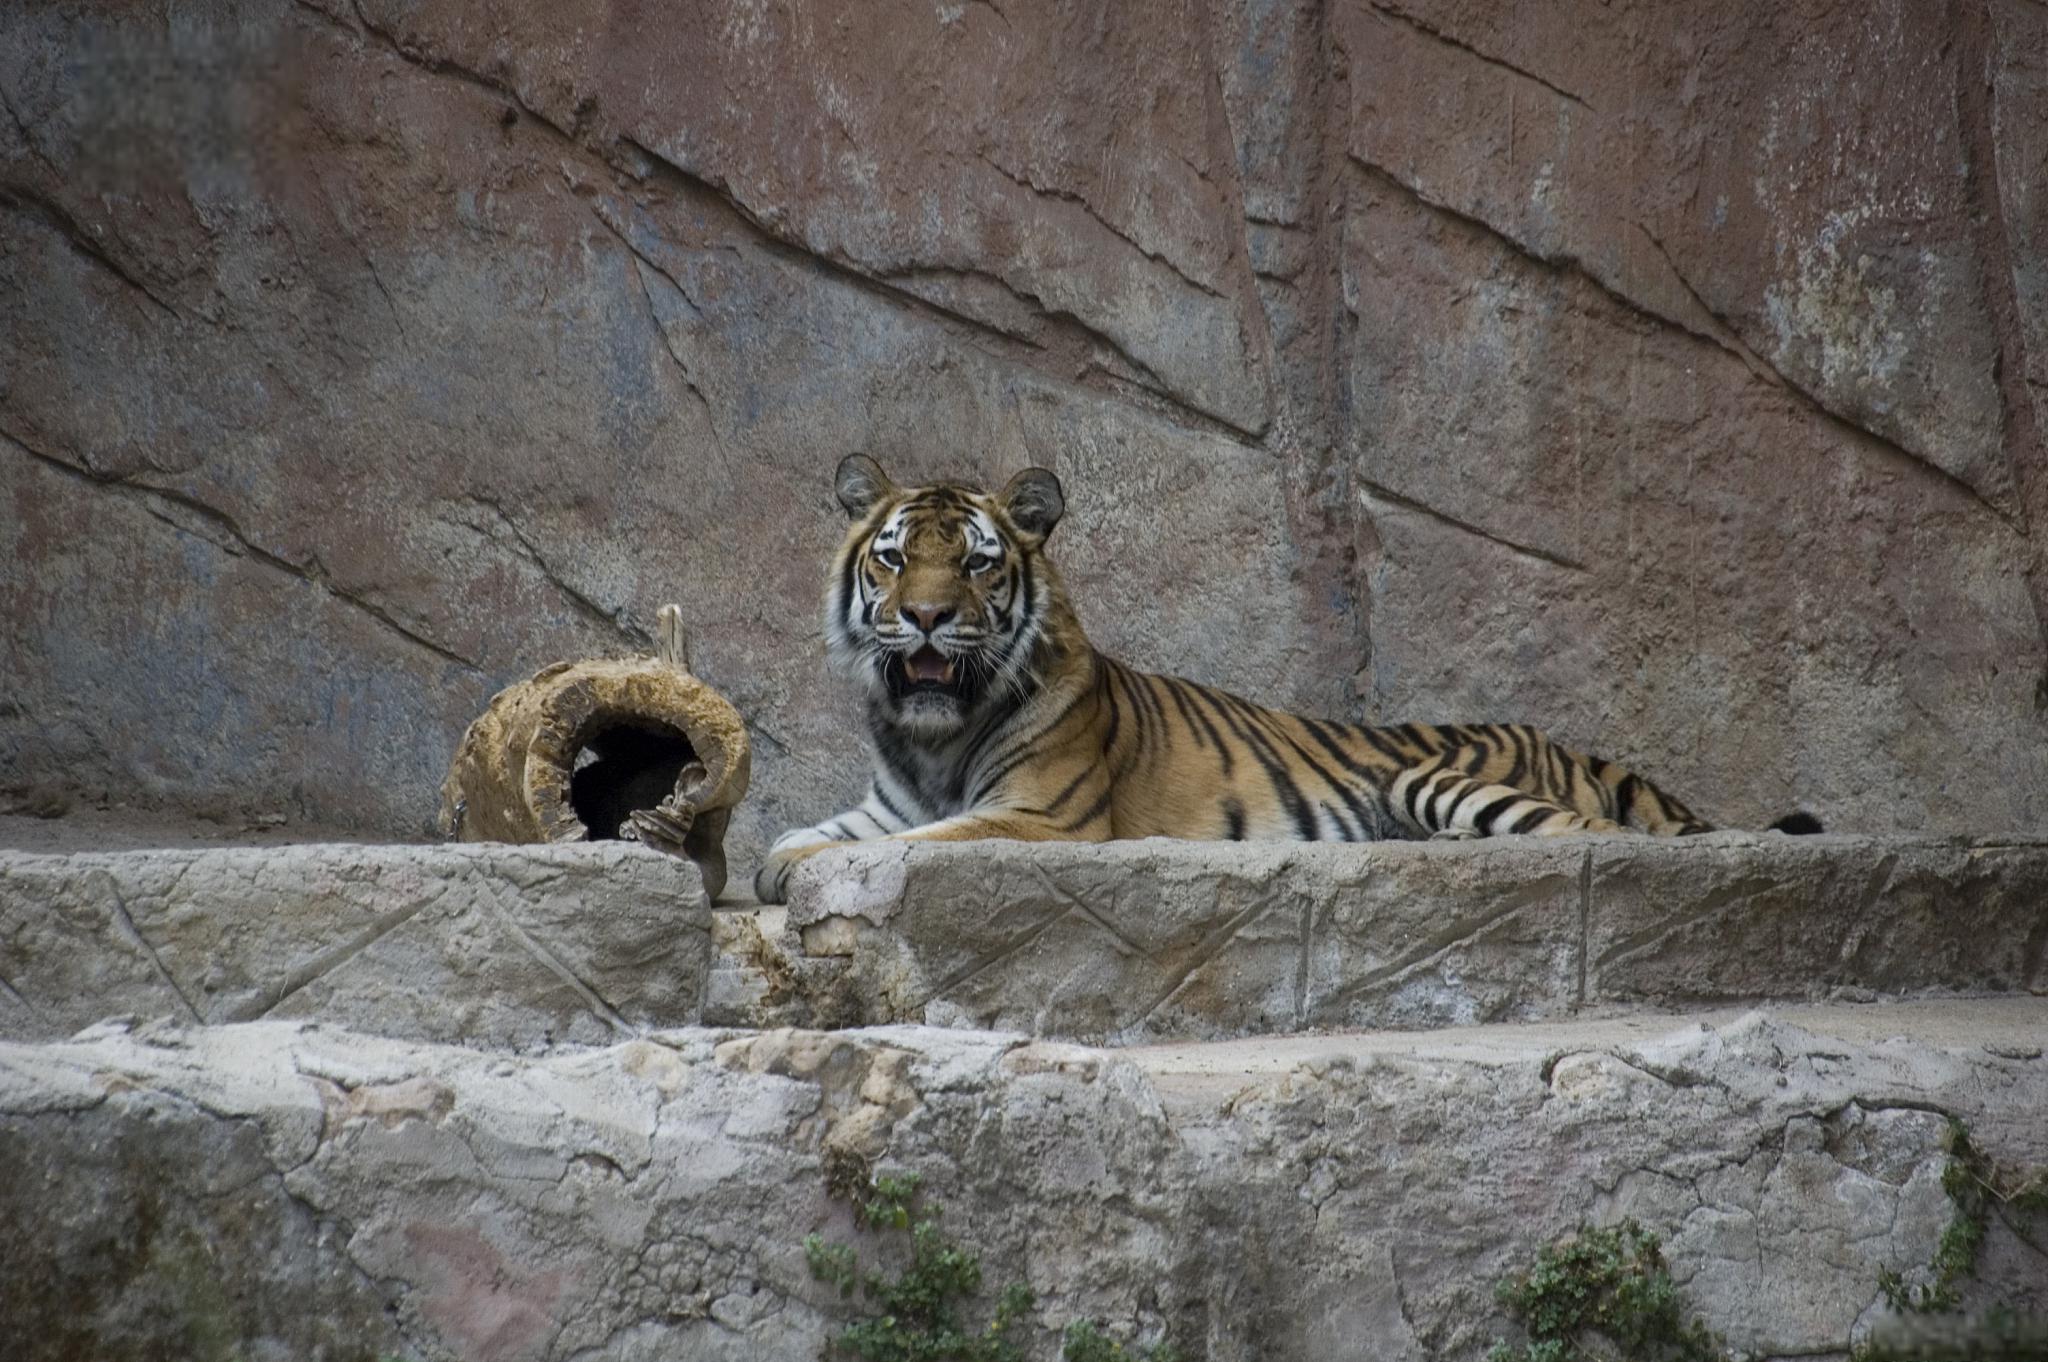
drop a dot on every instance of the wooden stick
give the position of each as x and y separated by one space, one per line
675 640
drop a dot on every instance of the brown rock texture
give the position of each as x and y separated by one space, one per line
1669 376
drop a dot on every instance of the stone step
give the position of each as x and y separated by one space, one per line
281 1189
1131 942
507 946
1124 943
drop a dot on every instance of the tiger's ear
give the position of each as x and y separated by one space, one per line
860 483
1034 502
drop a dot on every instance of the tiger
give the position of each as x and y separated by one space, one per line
990 715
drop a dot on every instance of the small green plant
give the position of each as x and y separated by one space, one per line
1608 1281
1976 1187
917 1314
1084 1342
918 1310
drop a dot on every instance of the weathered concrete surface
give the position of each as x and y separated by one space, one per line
295 1191
1208 940
484 945
496 945
1669 376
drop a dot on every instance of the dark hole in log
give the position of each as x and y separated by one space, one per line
626 766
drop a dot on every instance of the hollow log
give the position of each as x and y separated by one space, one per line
634 748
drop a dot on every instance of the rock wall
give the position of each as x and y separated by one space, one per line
287 1190
1670 376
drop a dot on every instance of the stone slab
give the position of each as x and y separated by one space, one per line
277 1189
1159 939
491 945
1129 942
1786 917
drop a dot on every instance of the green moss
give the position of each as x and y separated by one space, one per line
195 1296
1934 1330
919 1311
1607 1284
1976 1188
916 1313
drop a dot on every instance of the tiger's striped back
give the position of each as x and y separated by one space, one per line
1186 760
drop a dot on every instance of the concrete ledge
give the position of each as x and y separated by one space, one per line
1159 939
289 1190
490 945
1127 943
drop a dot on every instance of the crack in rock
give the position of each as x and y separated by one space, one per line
1378 492
1728 339
1058 890
612 621
238 543
1210 951
592 999
1432 31
59 219
659 166
119 907
328 961
7 987
1026 183
1569 265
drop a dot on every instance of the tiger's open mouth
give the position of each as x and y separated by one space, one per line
925 671
928 667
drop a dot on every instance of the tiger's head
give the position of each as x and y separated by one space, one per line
938 598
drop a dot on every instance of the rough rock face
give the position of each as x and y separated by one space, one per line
311 1193
272 1150
1670 376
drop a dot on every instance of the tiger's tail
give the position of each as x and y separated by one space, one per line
1632 801
1639 803
1798 823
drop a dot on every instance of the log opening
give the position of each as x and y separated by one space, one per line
629 763
605 749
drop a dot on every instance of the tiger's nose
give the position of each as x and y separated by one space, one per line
928 617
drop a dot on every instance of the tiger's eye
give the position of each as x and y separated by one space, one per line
979 562
889 559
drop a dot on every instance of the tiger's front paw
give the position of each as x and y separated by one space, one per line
771 881
793 848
